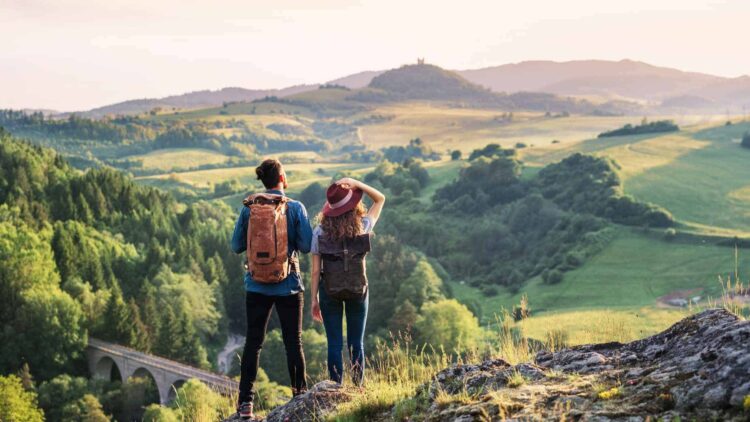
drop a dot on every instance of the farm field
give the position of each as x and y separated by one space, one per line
631 273
236 109
166 159
705 188
446 128
679 171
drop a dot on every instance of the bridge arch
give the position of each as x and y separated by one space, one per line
107 369
143 373
148 390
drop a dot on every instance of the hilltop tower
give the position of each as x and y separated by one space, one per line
420 61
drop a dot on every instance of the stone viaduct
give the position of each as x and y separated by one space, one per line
168 375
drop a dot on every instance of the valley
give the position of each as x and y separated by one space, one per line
499 205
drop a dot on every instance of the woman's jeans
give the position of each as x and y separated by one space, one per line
356 315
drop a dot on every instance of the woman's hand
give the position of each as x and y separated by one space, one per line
316 315
377 197
348 183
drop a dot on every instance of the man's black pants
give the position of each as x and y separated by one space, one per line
289 309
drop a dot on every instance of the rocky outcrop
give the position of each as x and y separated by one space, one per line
314 405
699 369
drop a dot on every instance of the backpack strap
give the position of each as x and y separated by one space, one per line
294 263
346 256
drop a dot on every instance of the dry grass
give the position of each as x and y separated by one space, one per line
395 372
735 296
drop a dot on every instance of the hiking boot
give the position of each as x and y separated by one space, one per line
297 392
246 411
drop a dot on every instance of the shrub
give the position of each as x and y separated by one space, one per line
491 150
644 127
17 404
552 276
156 413
490 291
746 140
415 149
574 259
448 324
455 155
196 401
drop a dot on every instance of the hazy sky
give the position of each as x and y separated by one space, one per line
78 54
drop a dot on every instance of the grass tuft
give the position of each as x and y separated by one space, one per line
516 379
610 394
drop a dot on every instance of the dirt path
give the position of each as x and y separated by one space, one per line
224 358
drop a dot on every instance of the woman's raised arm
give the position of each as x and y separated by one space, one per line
378 199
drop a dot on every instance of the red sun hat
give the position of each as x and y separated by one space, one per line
340 200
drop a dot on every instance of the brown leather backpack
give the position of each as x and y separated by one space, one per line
343 271
268 259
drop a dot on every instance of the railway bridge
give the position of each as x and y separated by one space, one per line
168 375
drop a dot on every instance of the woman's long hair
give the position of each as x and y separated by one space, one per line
348 224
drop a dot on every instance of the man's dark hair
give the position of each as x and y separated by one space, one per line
269 172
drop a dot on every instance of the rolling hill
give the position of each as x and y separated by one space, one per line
425 82
357 80
193 100
429 82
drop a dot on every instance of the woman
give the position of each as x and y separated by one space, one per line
344 221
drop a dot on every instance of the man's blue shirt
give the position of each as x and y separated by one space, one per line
300 236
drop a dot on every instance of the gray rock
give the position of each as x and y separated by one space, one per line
314 405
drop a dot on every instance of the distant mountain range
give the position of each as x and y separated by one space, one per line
655 87
624 79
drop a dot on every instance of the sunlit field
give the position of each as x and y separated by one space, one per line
448 128
706 186
634 271
166 159
601 326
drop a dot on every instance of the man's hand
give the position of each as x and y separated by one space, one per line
316 315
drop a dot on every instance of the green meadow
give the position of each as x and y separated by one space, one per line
700 175
632 272
707 188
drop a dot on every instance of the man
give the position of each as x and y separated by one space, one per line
286 295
